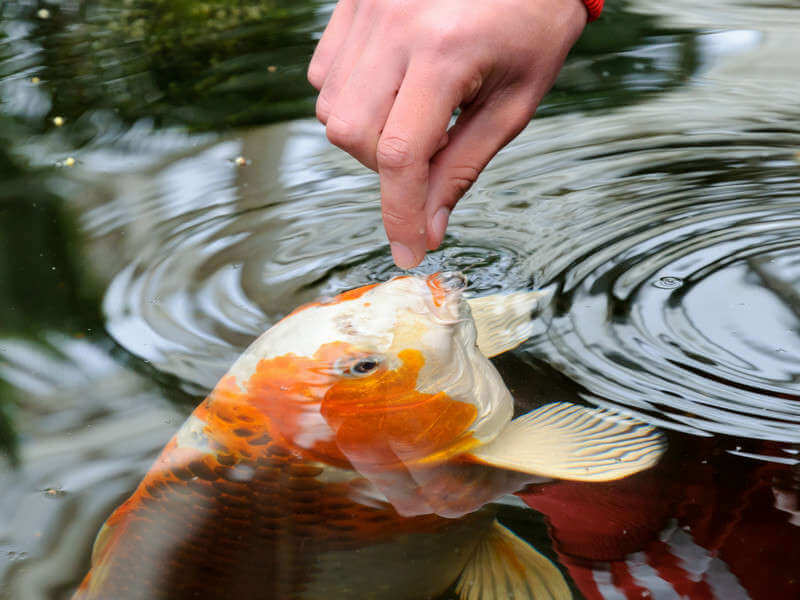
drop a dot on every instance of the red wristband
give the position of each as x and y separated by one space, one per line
595 7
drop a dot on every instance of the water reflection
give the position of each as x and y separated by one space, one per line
206 64
657 204
688 529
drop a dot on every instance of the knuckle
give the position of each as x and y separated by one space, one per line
445 37
323 109
523 115
341 133
397 9
461 186
393 219
315 75
523 107
462 177
394 153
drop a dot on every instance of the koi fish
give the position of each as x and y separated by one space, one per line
351 452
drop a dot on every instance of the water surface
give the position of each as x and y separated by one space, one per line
187 202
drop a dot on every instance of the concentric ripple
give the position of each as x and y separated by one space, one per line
690 311
217 252
670 231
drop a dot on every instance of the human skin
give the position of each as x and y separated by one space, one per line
390 74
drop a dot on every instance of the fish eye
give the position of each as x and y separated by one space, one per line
365 366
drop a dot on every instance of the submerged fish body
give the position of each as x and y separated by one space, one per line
349 453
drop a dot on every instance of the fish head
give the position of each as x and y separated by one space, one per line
381 377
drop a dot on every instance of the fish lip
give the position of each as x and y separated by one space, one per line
446 303
451 280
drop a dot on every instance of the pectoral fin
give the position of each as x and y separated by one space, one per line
566 441
504 566
504 321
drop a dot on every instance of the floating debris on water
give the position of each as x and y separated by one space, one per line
272 68
54 492
13 555
67 162
668 283
241 161
35 80
43 13
58 121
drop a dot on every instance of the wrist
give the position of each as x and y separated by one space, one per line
594 8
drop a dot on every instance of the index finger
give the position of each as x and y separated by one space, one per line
416 124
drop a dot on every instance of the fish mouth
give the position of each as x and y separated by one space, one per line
446 289
446 285
451 281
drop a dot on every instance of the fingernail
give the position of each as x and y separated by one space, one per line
439 224
403 256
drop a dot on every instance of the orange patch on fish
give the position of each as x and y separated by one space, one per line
380 419
343 297
437 291
354 294
384 421
287 391
241 496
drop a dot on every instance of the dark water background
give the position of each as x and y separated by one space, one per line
657 195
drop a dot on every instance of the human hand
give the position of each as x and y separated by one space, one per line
390 74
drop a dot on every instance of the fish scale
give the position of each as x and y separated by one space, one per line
270 535
346 463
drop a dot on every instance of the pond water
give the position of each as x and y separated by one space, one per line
166 197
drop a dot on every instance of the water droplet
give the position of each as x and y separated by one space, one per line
668 283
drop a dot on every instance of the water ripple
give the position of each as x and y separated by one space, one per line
669 229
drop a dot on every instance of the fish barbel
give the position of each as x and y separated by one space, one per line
350 452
